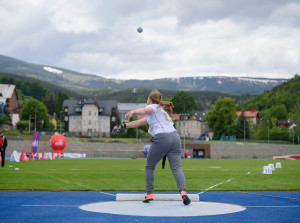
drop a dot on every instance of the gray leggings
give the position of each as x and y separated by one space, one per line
165 144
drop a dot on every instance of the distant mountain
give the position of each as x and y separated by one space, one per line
76 81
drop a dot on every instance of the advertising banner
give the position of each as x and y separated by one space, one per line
35 142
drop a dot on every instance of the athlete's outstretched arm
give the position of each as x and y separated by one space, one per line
140 111
132 124
137 123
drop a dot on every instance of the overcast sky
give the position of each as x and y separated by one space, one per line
181 38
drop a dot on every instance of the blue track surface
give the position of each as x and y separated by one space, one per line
24 206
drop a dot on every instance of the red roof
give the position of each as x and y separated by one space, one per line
249 114
175 116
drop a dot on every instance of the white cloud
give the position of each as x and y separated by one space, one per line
74 16
180 38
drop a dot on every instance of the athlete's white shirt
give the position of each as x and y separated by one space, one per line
159 121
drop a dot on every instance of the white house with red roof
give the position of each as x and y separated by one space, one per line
252 115
9 101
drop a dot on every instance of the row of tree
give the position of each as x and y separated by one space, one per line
53 100
42 104
281 103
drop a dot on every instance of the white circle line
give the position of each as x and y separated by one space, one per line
162 208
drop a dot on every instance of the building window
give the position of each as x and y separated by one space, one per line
90 113
90 122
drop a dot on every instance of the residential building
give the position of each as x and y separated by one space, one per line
189 128
194 126
252 116
9 102
90 117
284 123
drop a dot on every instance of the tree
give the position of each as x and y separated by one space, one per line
33 108
183 102
50 102
262 133
221 117
54 102
21 126
296 120
279 134
242 127
4 119
279 112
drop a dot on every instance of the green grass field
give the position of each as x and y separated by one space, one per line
128 175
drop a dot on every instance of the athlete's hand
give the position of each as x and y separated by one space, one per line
129 114
116 128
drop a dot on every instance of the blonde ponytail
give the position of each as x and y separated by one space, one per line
156 98
167 106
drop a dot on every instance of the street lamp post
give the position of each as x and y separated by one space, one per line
60 122
244 130
293 135
184 116
268 132
184 137
29 123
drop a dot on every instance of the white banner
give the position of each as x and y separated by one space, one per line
74 155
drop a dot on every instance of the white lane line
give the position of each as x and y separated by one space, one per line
215 186
47 205
107 193
291 206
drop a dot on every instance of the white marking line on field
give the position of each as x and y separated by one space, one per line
291 206
83 186
47 205
67 182
79 169
214 186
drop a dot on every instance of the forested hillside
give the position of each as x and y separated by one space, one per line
40 90
286 94
50 95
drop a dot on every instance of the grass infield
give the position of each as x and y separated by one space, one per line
128 175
